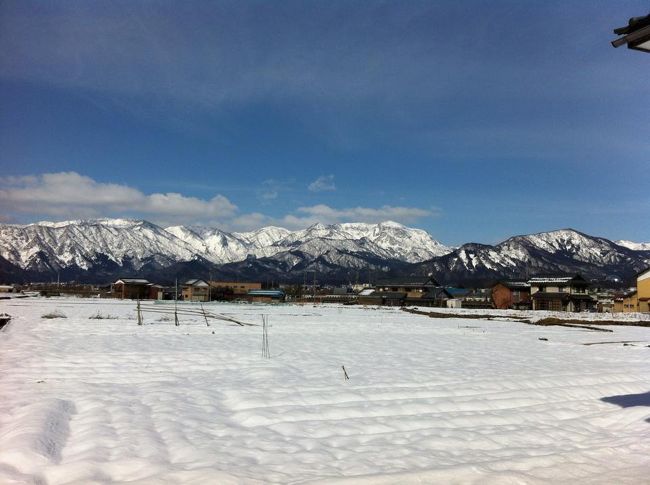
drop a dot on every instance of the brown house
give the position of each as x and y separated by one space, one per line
135 289
561 293
627 302
232 290
511 294
637 299
196 290
415 290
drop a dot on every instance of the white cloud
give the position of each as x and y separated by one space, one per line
322 184
326 214
71 195
306 216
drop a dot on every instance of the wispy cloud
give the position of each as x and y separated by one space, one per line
324 183
329 215
271 189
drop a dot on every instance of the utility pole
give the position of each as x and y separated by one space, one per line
176 304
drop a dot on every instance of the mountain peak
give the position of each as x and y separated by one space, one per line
106 222
391 224
317 227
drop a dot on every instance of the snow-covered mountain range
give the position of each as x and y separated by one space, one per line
47 246
387 240
562 251
104 248
634 245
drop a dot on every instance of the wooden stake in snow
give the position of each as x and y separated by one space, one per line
176 305
345 373
266 353
139 314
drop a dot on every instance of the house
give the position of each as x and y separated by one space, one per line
643 290
196 290
636 299
626 302
561 293
604 300
229 290
511 294
468 298
415 290
413 285
135 289
478 298
386 298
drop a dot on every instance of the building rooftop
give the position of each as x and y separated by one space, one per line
557 280
409 281
133 281
195 282
516 285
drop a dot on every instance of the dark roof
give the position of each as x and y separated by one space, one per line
409 281
457 292
641 272
634 24
635 34
436 294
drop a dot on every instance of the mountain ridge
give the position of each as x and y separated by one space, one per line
94 248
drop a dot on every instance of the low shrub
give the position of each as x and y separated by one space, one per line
54 314
100 316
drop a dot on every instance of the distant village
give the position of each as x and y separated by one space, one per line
552 293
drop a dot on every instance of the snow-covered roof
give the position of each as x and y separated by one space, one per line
515 284
132 281
195 282
556 280
563 279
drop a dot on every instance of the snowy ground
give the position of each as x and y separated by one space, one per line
428 400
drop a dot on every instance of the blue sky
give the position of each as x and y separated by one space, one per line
475 121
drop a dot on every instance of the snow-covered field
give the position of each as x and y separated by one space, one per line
427 401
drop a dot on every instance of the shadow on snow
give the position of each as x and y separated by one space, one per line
629 400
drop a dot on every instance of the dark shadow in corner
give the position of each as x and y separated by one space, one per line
629 400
